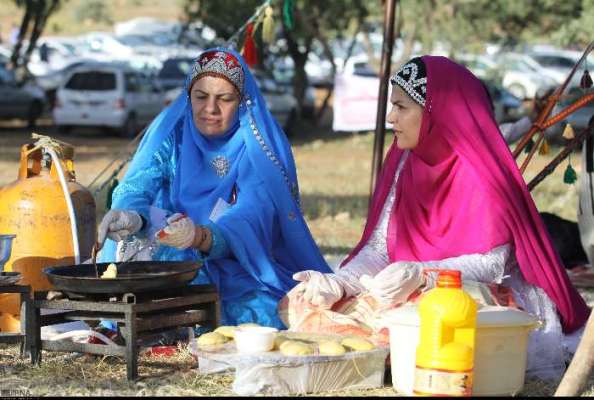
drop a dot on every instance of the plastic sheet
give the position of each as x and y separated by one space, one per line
272 373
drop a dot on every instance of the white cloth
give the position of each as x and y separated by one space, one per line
118 225
586 207
179 232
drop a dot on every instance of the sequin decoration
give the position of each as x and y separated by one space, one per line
219 63
221 165
412 80
292 186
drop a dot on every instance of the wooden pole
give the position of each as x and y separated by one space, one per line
380 124
579 370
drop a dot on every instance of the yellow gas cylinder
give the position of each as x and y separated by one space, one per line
445 354
34 208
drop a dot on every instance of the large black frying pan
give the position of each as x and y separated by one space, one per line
133 277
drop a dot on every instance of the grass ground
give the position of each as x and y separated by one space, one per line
334 172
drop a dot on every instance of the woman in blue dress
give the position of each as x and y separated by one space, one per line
216 170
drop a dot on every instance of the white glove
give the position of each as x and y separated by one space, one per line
179 232
320 290
118 225
395 283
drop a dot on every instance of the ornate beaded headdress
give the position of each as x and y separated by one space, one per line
220 64
412 78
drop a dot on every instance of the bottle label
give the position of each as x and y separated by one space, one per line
436 382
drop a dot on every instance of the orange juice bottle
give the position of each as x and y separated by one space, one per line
445 354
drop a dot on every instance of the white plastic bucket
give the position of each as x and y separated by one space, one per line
500 355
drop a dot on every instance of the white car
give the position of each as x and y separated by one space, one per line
110 95
524 77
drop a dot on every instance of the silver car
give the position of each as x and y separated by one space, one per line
19 101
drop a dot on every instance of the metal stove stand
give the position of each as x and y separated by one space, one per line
140 318
26 328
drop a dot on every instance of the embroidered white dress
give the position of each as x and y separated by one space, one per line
548 348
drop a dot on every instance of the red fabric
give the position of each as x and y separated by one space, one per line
250 53
461 192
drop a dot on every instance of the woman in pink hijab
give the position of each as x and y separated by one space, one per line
451 196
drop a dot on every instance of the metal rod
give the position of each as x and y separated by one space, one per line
380 124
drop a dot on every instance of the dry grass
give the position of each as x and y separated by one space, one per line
65 22
334 172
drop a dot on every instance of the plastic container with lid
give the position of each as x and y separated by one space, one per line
445 353
500 349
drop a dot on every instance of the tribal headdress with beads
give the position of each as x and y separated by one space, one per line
220 64
412 78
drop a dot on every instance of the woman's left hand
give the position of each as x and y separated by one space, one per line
179 233
395 283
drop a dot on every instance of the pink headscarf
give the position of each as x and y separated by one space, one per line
461 192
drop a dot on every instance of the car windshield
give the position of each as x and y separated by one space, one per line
177 68
554 61
92 80
133 40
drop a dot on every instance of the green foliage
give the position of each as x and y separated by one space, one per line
577 31
224 16
94 10
465 24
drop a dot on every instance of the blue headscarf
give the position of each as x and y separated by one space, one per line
259 159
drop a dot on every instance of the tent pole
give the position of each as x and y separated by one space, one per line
378 142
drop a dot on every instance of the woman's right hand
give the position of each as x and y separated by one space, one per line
318 289
118 225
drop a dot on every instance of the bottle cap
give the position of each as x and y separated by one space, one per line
449 278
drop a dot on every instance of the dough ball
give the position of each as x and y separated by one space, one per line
111 272
247 325
295 348
278 341
357 344
331 348
227 331
211 339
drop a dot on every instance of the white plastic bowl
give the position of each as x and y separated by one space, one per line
255 339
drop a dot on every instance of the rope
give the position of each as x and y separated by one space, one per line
233 39
582 101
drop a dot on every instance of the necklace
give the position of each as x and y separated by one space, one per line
221 165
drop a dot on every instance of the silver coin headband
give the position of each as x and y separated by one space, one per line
412 78
219 63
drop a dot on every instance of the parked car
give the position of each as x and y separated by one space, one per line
19 101
507 107
524 77
52 54
281 103
52 80
562 61
174 71
111 95
4 56
482 66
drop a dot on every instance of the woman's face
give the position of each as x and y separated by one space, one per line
406 116
214 105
